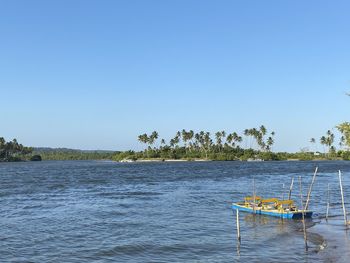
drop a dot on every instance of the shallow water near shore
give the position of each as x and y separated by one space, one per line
95 211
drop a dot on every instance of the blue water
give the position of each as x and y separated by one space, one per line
95 211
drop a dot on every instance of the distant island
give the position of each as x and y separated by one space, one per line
228 146
192 146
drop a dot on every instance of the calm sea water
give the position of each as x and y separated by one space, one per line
91 211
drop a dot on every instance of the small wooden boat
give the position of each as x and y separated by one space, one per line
271 207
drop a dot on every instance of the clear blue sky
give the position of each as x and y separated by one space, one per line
95 74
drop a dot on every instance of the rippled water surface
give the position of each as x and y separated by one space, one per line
90 211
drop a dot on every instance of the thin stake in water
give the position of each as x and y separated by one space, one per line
328 201
342 197
310 189
302 212
291 188
254 195
238 227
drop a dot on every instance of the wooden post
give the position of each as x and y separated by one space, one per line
291 188
309 193
254 195
302 212
238 228
342 197
328 201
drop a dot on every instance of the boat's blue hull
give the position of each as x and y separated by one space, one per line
289 215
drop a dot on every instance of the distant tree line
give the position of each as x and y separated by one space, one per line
71 154
222 145
253 143
328 143
203 142
228 146
13 151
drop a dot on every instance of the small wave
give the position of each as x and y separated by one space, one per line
126 250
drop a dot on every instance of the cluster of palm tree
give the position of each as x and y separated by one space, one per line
148 139
259 135
328 141
344 128
12 149
202 141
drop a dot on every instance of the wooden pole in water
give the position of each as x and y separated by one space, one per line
328 200
238 228
302 212
291 188
342 197
254 195
310 189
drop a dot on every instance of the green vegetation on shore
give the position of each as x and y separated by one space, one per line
72 154
188 145
253 144
12 151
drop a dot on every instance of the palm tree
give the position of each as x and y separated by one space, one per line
341 142
175 141
172 142
269 143
187 137
143 138
207 143
218 137
313 141
246 134
184 135
329 141
223 134
323 141
237 138
229 138
233 139
190 138
344 128
252 134
162 144
197 137
204 142
152 138
258 136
